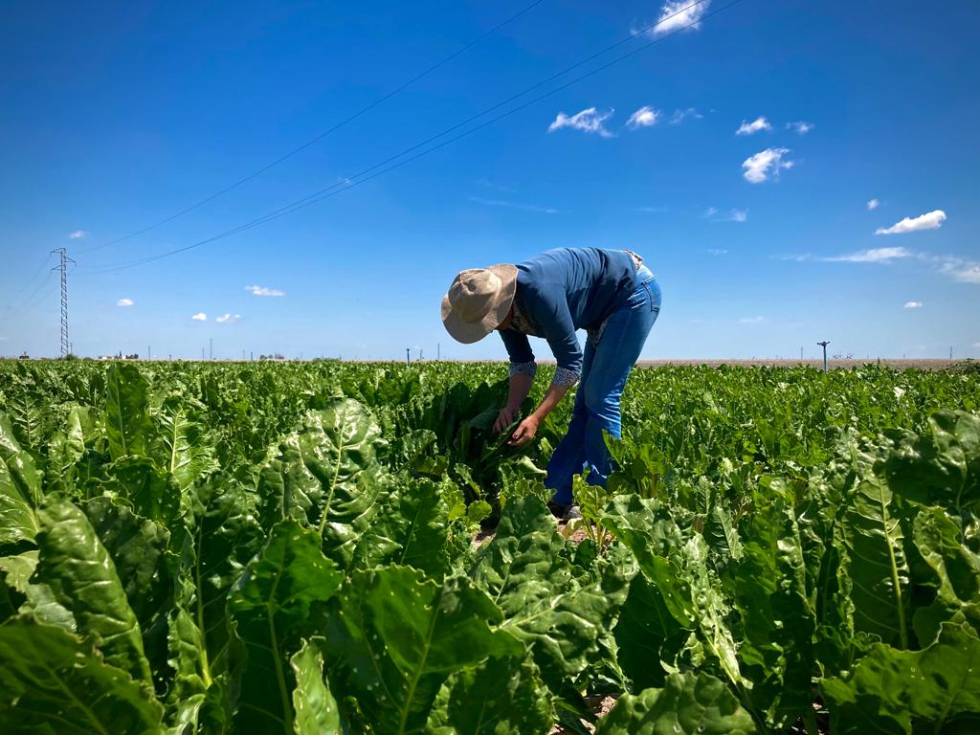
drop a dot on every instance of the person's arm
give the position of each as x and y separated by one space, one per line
560 333
518 390
529 426
522 370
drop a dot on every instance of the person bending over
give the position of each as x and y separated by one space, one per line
609 293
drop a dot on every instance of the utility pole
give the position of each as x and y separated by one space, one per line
63 268
148 353
438 351
408 355
211 348
824 345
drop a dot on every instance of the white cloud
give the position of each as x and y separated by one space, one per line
959 269
716 251
680 116
930 221
752 320
588 121
77 235
762 165
913 304
801 127
201 317
484 181
733 215
874 255
228 318
513 205
644 118
124 302
677 14
263 291
873 204
652 210
760 123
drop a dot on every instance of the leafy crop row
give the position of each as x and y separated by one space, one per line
289 548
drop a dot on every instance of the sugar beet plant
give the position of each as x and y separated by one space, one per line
290 549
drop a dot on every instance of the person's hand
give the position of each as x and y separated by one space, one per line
504 419
525 431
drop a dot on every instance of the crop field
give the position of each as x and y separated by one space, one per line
348 548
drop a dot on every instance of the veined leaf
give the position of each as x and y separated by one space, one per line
409 530
220 537
137 546
889 690
184 451
397 637
769 590
542 602
503 696
325 476
316 709
127 411
274 597
75 565
644 633
941 467
873 539
51 681
680 571
20 489
688 704
152 492
955 575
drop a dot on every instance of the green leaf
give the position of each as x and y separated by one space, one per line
680 571
187 656
274 597
326 475
504 696
127 411
397 637
777 622
221 536
19 569
410 530
151 491
941 467
82 577
316 709
644 633
889 690
183 447
137 546
688 704
955 574
51 681
544 605
20 489
874 543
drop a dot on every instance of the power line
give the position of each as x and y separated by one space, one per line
26 307
373 172
324 134
27 284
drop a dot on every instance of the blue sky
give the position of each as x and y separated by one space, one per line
117 115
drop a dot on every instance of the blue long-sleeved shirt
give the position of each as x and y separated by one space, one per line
561 291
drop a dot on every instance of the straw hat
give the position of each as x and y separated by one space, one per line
478 301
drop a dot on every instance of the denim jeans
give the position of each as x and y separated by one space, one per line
606 365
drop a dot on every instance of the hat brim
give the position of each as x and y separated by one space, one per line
470 332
